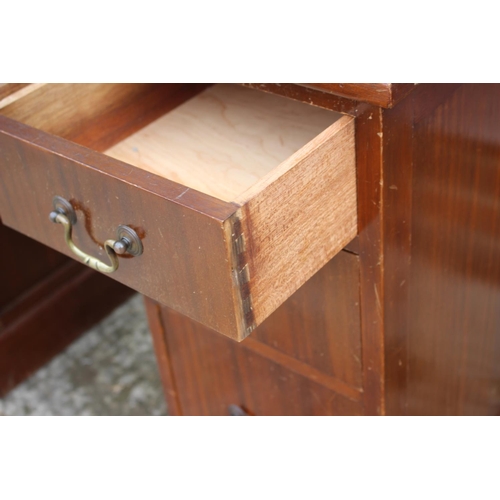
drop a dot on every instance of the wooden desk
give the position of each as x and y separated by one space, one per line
46 302
404 320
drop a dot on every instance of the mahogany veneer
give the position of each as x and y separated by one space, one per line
265 222
404 321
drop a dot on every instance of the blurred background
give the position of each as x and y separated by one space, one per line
110 370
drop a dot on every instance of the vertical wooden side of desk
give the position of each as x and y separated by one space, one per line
453 327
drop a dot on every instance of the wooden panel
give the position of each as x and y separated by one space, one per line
10 92
49 316
429 97
292 221
348 98
454 348
397 215
385 165
398 148
353 246
153 310
320 323
303 369
96 115
299 216
7 89
23 262
310 96
223 140
211 372
369 171
385 95
179 228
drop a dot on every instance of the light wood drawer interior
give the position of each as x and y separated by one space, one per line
225 140
284 170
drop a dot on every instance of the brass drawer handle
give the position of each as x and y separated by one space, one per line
127 239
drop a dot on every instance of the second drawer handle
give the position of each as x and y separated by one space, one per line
127 239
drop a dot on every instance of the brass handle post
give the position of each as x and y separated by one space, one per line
127 239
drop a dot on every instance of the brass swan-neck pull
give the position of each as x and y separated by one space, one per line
127 239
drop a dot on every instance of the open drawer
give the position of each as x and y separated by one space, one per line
238 196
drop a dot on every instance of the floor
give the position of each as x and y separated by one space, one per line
110 370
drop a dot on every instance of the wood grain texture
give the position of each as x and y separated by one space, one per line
179 227
310 96
11 92
303 369
428 193
314 191
224 140
429 97
454 328
384 152
97 115
49 316
163 357
7 89
213 372
369 159
397 216
19 271
319 325
309 351
385 95
353 246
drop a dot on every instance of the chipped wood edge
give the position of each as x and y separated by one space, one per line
386 95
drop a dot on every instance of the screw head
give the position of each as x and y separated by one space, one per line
131 239
64 207
121 246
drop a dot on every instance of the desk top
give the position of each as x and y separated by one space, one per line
385 95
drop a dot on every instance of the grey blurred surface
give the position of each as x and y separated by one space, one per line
110 370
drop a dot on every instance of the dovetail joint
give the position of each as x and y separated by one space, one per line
242 276
239 244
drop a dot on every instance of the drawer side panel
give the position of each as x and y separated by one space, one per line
302 218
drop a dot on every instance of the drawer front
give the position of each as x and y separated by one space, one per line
228 265
184 263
